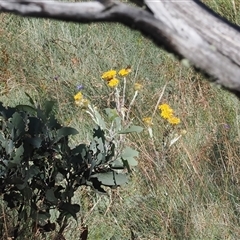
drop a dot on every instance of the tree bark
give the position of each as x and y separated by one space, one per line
189 29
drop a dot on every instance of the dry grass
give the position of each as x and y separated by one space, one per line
196 194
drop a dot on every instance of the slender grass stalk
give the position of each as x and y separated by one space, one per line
123 98
131 104
159 100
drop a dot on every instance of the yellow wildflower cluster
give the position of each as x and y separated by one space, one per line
110 76
168 114
80 100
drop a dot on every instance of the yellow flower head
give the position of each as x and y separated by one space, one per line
124 72
113 82
165 107
109 75
78 96
148 121
174 120
138 86
167 112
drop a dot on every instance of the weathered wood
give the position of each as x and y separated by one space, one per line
186 28
207 40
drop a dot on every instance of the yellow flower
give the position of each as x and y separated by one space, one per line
80 101
124 72
148 121
165 107
78 96
113 82
138 86
109 75
167 112
174 120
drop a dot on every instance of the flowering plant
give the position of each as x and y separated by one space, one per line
118 122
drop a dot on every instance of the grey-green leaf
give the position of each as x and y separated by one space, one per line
50 196
131 129
129 155
17 157
64 132
112 113
43 218
111 178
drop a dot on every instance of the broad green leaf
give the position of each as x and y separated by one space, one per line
129 152
100 158
93 147
80 149
26 108
64 132
117 164
9 146
132 162
18 155
17 121
35 126
111 178
36 142
50 196
99 120
111 113
129 155
118 124
2 138
52 123
43 218
19 125
48 106
100 144
33 171
41 115
131 129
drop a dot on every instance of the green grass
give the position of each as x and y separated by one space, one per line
196 194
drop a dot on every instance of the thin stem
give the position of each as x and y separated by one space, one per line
159 99
117 100
123 98
131 103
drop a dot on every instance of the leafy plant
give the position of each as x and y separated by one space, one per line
39 171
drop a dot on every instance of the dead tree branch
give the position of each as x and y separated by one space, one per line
187 28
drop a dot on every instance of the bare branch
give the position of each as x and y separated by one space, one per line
187 28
